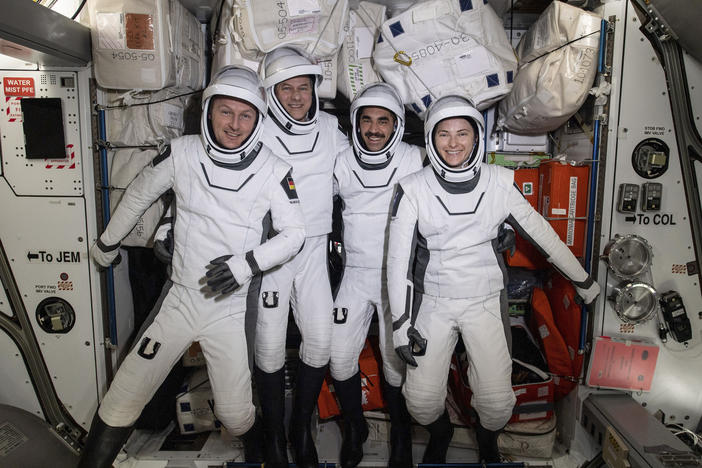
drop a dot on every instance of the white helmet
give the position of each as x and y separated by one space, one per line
282 64
444 108
241 83
377 95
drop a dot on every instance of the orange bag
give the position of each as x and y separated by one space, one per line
534 399
371 384
567 314
543 325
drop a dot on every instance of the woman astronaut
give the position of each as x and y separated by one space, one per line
446 277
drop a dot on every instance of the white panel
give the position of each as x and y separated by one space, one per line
54 177
16 389
47 248
641 109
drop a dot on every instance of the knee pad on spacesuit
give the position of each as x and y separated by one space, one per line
315 350
425 406
124 401
237 417
394 372
494 408
343 363
270 361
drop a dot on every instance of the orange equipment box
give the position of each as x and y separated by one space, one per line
563 190
525 254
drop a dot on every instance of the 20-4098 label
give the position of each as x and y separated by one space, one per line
134 56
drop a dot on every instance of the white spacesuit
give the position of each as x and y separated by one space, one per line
224 195
445 277
309 141
366 181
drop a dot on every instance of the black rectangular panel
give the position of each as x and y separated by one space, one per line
42 121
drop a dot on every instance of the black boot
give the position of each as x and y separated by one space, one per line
355 426
487 445
440 433
271 393
103 444
400 428
253 449
307 386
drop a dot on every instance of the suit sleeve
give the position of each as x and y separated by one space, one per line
288 221
342 141
533 227
400 258
144 190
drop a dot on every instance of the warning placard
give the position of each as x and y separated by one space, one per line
13 108
15 86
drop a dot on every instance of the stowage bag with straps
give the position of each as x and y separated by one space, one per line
443 47
557 65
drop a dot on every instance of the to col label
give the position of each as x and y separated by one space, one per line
60 256
658 219
18 87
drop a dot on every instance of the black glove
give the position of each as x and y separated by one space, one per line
417 347
417 343
406 355
505 240
163 248
220 277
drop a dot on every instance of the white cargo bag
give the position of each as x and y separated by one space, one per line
227 50
395 7
131 44
314 25
327 88
144 121
443 47
195 405
224 48
355 66
502 141
189 41
558 63
126 165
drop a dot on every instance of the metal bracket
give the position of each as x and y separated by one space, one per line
70 436
656 24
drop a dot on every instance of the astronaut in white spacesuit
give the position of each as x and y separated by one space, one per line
309 140
366 175
226 183
445 276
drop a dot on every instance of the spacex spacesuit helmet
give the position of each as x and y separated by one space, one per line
282 64
448 107
243 84
377 95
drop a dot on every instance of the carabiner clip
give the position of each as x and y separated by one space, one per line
402 58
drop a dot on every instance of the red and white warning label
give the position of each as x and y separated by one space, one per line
16 86
13 109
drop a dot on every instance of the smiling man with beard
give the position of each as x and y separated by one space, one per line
366 175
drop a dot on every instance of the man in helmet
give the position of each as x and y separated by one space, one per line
366 175
225 184
444 227
309 140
